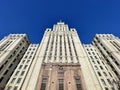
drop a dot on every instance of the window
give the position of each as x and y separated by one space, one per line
20 66
19 79
32 52
103 81
23 41
93 53
116 63
16 73
105 73
101 67
28 52
106 88
98 62
15 88
1 67
1 79
25 66
28 61
89 53
10 57
22 73
6 62
96 57
93 61
78 84
112 88
23 48
9 87
96 67
30 57
109 81
91 57
61 83
110 74
25 57
13 80
14 60
18 55
99 73
20 51
20 44
17 48
43 84
10 65
23 61
6 72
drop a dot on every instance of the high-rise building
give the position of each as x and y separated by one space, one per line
109 46
12 48
62 62
103 72
22 71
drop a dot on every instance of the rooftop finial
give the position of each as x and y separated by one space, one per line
60 22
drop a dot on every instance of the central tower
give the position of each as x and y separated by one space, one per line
60 68
61 45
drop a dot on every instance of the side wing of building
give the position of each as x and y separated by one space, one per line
12 49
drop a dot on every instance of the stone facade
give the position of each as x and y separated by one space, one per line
62 62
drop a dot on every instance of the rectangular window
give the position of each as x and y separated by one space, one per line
19 79
61 84
101 67
9 87
1 79
109 81
106 88
43 84
18 55
10 65
99 73
78 84
23 61
25 57
10 57
13 80
96 67
93 53
20 66
1 67
30 57
14 60
6 72
25 66
103 82
96 57
22 73
15 88
28 61
105 73
16 73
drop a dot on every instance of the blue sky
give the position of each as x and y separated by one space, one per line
34 16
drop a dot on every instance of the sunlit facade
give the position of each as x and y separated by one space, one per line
12 49
62 62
